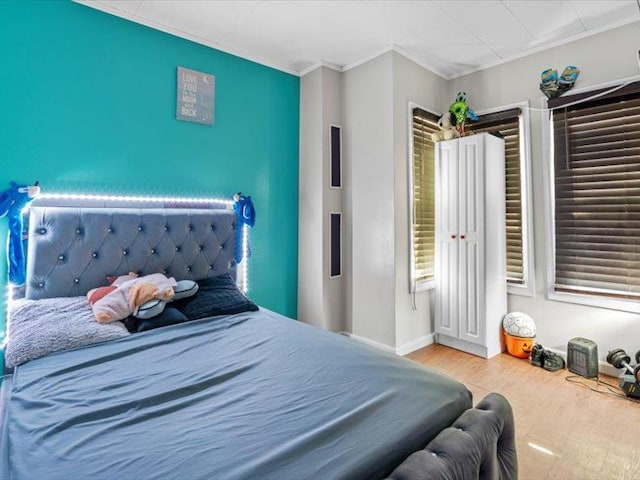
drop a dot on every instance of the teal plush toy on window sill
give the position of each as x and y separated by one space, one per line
12 202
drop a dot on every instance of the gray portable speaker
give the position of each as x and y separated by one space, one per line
582 357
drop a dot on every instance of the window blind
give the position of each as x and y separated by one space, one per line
423 228
596 152
507 125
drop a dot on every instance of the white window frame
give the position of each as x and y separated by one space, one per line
528 287
423 285
549 217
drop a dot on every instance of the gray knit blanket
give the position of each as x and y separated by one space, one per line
40 327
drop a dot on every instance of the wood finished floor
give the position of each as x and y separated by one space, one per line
588 435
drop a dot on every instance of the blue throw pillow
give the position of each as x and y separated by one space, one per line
216 296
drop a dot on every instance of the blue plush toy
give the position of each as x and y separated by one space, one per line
12 202
246 214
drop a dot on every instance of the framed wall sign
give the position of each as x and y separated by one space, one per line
195 95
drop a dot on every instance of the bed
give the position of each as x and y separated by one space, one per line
239 396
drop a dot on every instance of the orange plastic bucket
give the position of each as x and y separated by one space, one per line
518 346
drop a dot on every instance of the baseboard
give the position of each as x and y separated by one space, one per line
416 344
373 343
603 367
463 345
408 347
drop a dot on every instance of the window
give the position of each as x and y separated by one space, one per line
596 187
422 166
510 123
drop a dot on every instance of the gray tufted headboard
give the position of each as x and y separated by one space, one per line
72 250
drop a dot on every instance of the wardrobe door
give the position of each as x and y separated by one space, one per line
447 238
471 286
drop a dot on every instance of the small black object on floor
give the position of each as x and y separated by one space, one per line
546 359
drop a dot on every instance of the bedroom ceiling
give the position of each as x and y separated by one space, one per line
448 37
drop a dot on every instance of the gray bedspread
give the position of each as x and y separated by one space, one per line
248 396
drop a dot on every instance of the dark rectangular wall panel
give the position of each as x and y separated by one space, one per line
336 157
336 244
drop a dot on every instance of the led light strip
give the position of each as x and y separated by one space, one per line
245 259
8 300
133 198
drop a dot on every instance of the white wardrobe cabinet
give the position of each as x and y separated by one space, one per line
471 288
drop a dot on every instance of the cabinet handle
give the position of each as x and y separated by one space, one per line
453 237
461 237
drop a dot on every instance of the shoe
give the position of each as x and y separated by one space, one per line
552 361
549 83
537 355
569 76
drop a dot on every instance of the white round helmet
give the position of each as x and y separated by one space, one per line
519 324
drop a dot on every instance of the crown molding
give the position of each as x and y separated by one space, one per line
188 36
400 51
548 46
410 56
367 58
321 63
391 48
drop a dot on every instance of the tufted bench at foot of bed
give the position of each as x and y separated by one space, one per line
479 445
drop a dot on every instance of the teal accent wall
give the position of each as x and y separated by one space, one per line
88 105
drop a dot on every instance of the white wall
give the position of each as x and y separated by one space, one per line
376 104
411 83
333 202
320 298
374 99
369 199
310 209
605 57
373 293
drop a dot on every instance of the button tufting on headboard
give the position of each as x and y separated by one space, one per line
73 250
